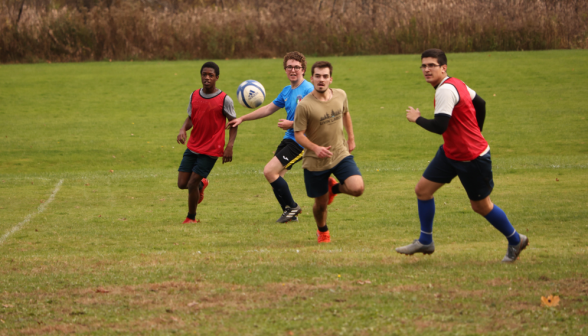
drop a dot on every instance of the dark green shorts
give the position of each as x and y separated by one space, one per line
197 163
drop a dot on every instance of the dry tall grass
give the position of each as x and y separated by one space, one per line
261 28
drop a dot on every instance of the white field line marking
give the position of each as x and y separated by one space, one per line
28 218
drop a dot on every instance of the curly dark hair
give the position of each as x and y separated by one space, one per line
297 56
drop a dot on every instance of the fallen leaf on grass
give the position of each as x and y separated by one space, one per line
112 171
175 319
122 219
192 304
7 305
102 290
550 301
556 179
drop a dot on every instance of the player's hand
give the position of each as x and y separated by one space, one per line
228 155
351 145
323 152
285 124
412 115
234 123
182 136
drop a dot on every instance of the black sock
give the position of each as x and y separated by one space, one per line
323 229
200 185
192 216
280 199
335 188
281 188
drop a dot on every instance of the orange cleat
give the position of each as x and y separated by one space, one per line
188 221
332 182
204 185
323 237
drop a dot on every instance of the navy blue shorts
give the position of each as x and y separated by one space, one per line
197 163
317 182
475 175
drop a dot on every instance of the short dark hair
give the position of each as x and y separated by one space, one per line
435 53
296 56
211 65
322 64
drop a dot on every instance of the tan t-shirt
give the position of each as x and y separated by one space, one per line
323 123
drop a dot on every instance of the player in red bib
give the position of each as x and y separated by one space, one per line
459 117
208 110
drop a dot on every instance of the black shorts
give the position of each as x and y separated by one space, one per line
475 175
289 152
317 182
197 163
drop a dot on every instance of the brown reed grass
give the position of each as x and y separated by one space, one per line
221 29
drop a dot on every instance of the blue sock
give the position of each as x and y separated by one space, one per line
498 219
281 188
426 215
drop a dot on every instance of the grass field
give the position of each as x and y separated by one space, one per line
88 251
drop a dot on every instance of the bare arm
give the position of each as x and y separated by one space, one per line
349 127
257 114
228 155
321 152
185 127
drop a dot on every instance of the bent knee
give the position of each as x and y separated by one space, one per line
357 192
183 185
320 207
421 193
481 209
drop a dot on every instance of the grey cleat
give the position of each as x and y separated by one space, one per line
416 247
290 214
513 251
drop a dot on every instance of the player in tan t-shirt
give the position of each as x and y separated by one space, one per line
321 116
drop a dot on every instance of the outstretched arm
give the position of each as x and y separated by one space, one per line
185 127
349 127
321 152
437 125
228 155
257 114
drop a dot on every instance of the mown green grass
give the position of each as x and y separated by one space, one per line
109 255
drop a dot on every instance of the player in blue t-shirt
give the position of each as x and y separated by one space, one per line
289 151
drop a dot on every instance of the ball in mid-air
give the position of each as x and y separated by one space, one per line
251 93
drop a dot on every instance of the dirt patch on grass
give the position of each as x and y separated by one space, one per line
176 305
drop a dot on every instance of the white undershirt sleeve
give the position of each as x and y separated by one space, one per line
446 98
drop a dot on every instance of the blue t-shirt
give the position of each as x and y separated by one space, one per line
289 99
